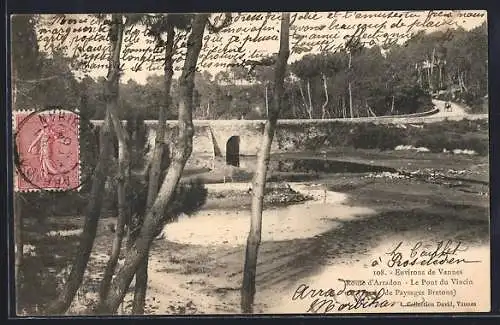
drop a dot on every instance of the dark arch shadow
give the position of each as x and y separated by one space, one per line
233 151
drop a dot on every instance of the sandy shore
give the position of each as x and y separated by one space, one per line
306 220
215 287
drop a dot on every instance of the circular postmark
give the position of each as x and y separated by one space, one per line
47 150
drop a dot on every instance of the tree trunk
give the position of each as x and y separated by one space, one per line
141 276
303 97
440 76
267 103
310 110
123 171
259 181
419 76
392 105
349 85
294 108
343 107
323 114
370 111
115 254
429 82
181 152
431 72
62 303
350 100
461 77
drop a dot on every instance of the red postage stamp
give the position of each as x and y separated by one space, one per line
48 150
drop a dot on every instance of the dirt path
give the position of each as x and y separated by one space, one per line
455 111
175 295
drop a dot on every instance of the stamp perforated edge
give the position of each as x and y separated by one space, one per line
14 130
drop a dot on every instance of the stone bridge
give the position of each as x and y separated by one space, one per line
230 139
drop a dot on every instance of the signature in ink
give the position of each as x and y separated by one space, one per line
326 300
438 253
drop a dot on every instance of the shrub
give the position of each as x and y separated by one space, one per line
462 126
435 142
40 205
338 134
89 153
372 136
476 143
292 137
463 134
188 198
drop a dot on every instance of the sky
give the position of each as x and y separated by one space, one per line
243 37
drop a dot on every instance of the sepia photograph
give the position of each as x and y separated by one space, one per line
250 163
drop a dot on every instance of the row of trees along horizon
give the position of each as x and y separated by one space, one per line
400 79
356 83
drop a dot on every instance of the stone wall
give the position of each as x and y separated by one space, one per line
211 136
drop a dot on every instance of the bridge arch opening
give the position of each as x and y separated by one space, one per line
233 151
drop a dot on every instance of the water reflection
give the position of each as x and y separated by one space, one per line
325 166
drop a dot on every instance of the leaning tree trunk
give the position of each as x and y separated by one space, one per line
181 152
259 181
63 302
123 173
461 78
141 276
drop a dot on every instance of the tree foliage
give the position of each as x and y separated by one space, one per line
389 81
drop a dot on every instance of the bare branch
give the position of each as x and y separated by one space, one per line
264 62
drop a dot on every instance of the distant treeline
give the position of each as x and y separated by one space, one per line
355 82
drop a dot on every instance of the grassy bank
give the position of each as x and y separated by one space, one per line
450 135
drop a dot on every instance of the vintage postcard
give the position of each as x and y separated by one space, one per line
251 163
